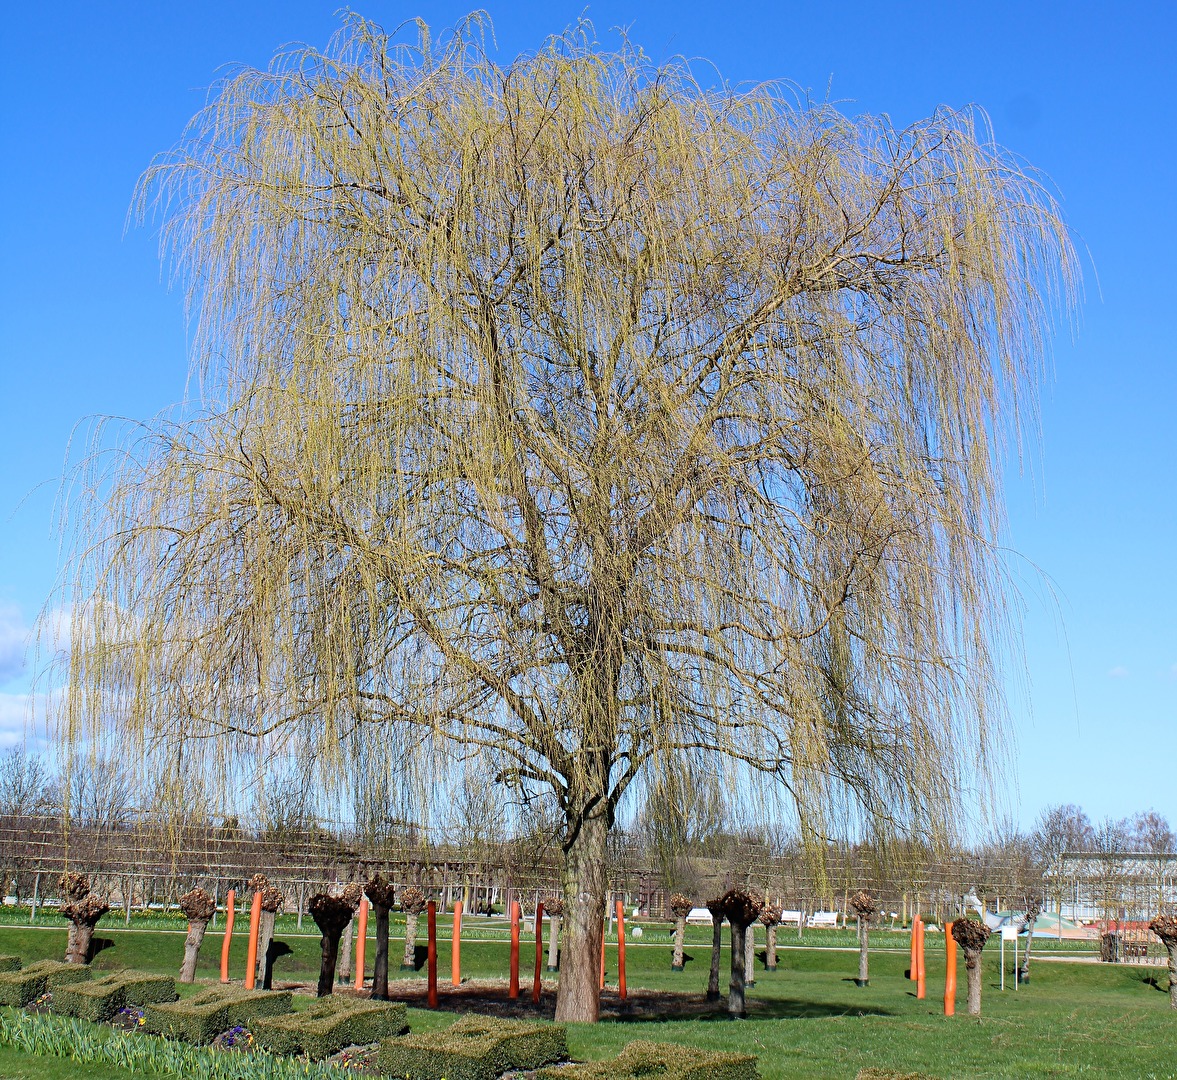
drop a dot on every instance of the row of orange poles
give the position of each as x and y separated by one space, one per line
918 973
255 912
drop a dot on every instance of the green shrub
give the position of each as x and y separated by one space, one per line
473 1048
669 1060
9 963
18 988
202 1018
329 1025
101 999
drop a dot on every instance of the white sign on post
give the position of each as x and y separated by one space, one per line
1009 933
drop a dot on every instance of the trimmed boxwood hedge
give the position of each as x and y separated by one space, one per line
9 963
473 1048
202 1018
101 999
669 1060
329 1025
18 988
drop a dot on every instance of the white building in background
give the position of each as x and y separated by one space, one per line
1129 886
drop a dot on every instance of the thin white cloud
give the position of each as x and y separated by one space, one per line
15 635
1118 672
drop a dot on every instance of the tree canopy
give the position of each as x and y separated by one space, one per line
581 418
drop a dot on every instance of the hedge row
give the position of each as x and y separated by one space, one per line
18 988
473 1048
9 963
329 1025
101 999
202 1018
667 1060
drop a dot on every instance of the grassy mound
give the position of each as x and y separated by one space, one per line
473 1048
18 988
101 999
649 1059
329 1025
202 1018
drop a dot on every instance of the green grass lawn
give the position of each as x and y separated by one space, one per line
808 1019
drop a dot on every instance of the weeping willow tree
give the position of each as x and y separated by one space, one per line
584 419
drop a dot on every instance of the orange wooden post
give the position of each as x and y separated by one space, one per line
432 954
539 950
230 911
921 985
255 917
621 949
456 946
604 934
514 990
912 971
949 972
361 942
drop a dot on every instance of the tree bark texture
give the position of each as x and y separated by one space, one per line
770 948
82 943
554 942
1171 948
716 952
680 929
579 996
345 951
735 990
972 963
409 959
750 955
380 968
863 951
329 947
192 943
265 937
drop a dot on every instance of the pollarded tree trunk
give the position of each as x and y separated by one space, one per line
554 906
971 935
1165 927
585 851
864 907
83 915
716 908
74 888
198 906
741 910
380 892
680 931
271 901
412 903
1032 911
770 947
750 955
345 947
331 915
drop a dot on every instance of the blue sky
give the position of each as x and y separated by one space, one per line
1083 92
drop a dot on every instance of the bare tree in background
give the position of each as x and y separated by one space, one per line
580 414
1060 829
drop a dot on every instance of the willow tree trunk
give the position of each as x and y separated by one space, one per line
71 942
82 940
770 948
554 942
1171 949
1024 967
716 952
329 950
192 943
972 963
750 955
584 879
735 990
345 945
680 930
265 937
863 951
409 958
380 969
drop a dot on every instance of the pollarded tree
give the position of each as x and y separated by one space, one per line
680 908
581 416
380 891
198 907
331 915
864 907
770 915
741 911
971 935
413 902
272 899
716 907
554 906
1165 927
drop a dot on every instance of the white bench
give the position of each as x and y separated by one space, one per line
792 918
700 915
823 920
